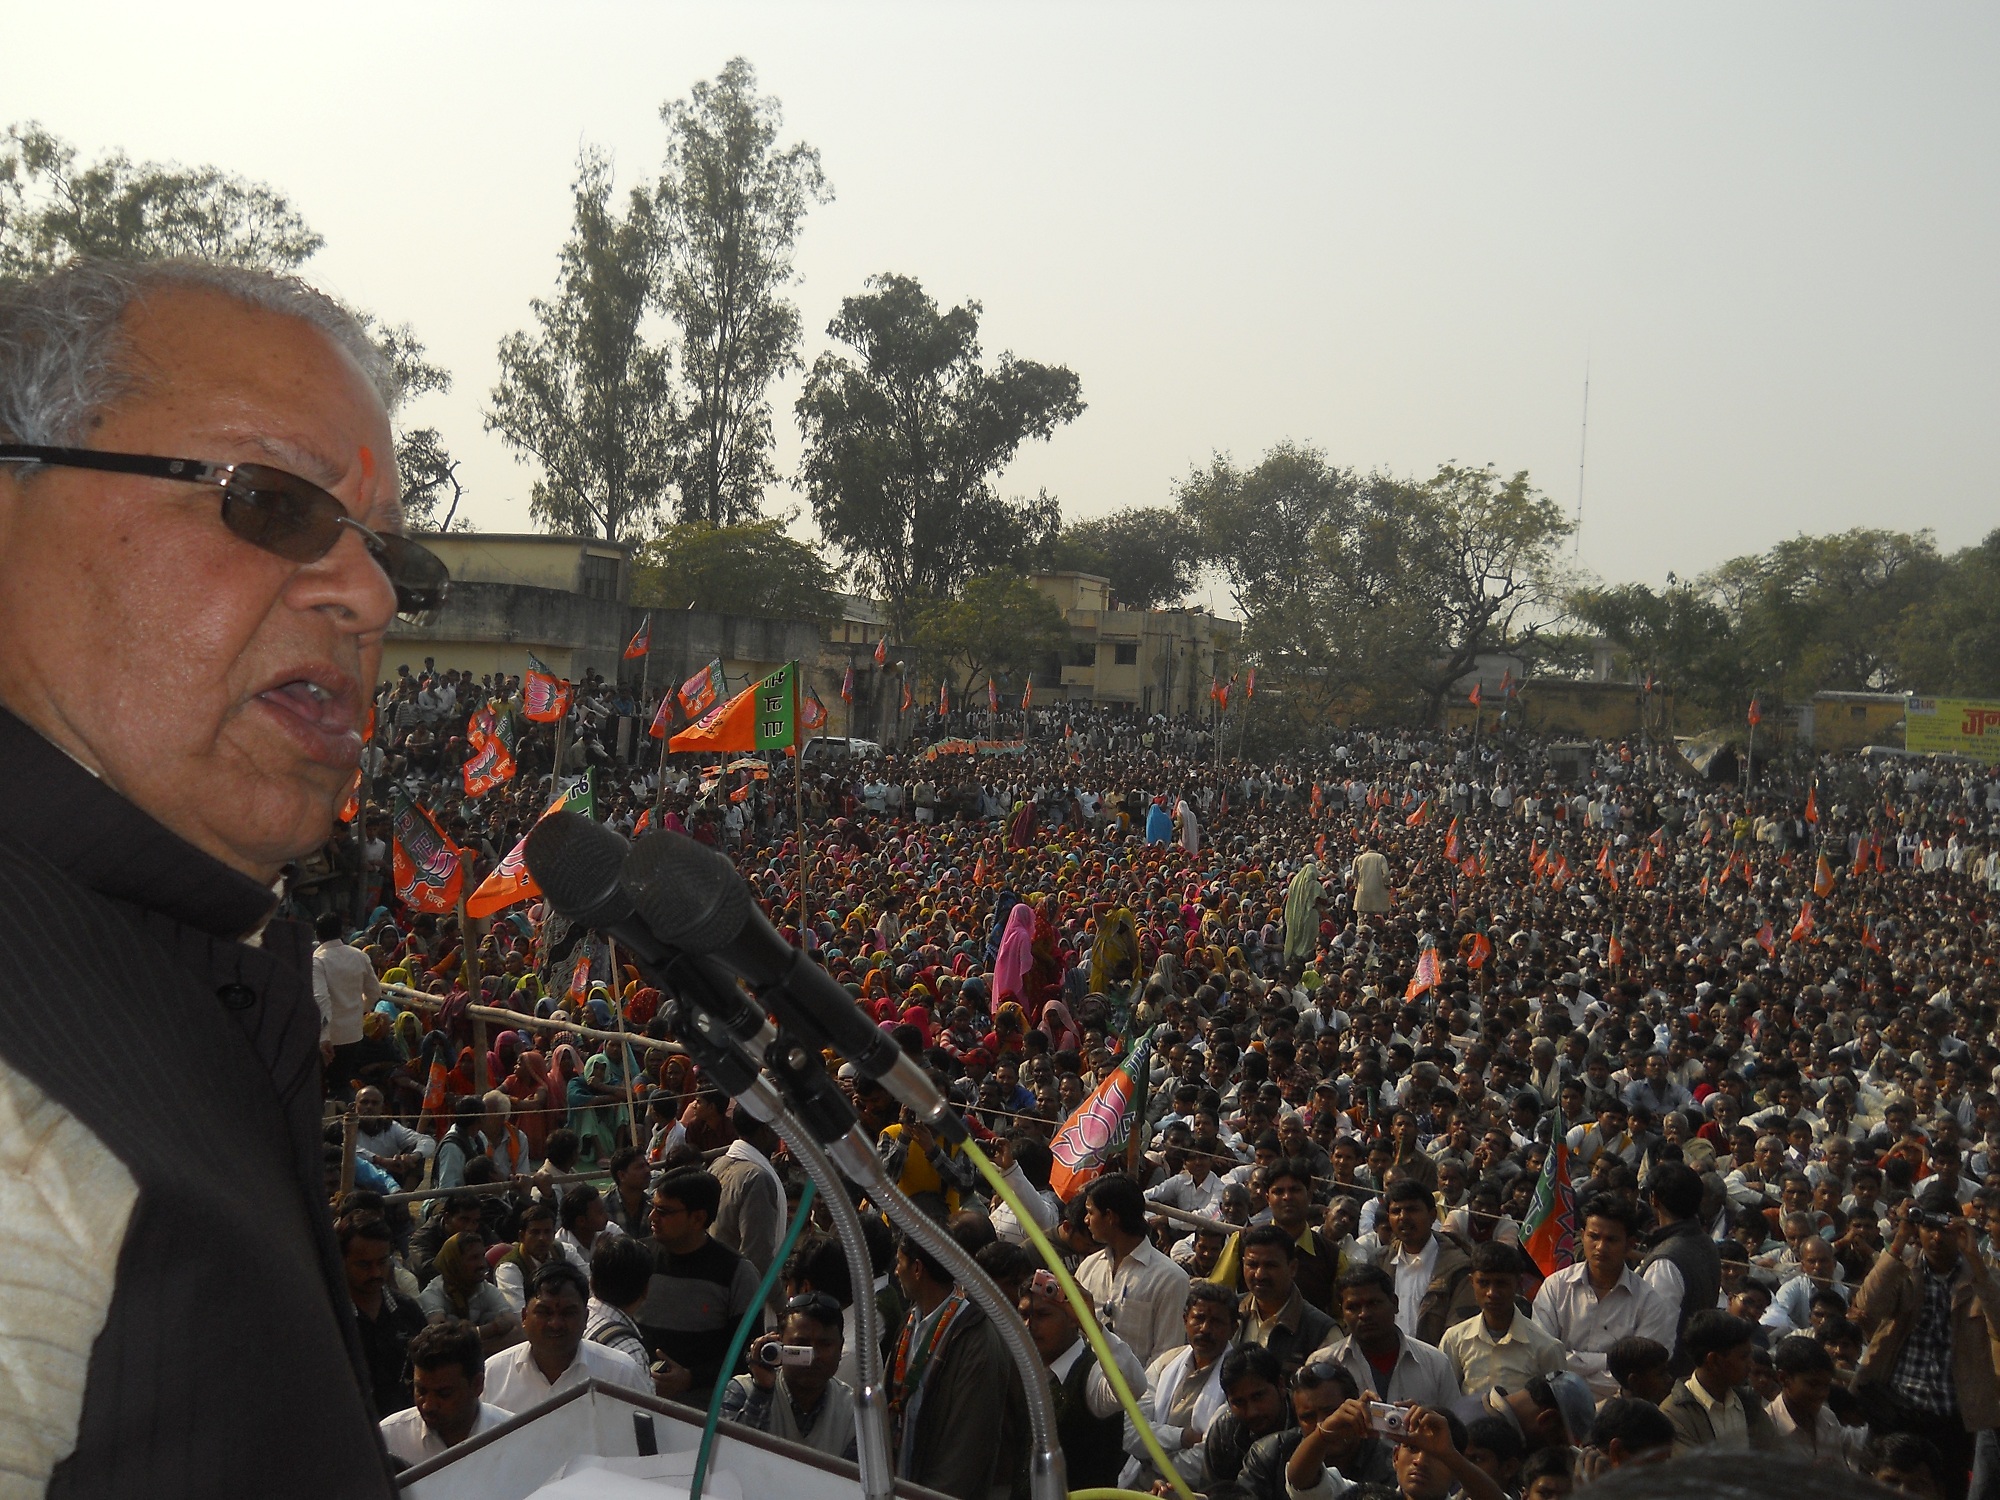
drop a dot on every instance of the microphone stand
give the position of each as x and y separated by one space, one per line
717 1022
871 1408
818 1098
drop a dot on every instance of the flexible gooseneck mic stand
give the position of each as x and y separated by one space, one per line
733 1072
819 1100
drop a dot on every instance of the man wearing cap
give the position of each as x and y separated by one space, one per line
1548 1411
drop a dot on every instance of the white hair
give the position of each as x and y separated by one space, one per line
64 352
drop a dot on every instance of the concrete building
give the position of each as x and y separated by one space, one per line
567 599
1155 660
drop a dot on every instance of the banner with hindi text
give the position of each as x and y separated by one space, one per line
1953 726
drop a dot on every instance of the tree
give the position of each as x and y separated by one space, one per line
1373 591
1148 553
586 396
427 471
731 204
748 569
1949 641
1822 613
999 625
52 211
1482 554
902 444
1680 637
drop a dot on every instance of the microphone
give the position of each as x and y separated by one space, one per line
690 897
576 861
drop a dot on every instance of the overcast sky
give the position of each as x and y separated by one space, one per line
1398 232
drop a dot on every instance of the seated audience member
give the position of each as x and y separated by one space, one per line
448 1376
1716 1406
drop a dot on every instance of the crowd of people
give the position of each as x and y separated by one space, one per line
1386 997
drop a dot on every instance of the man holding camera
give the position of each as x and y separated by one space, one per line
1932 1366
791 1391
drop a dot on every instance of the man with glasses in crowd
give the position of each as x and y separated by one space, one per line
699 1288
200 551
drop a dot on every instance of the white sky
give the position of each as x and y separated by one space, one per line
1395 231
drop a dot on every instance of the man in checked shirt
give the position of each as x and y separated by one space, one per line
1930 1365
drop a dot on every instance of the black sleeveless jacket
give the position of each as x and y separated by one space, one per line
229 1362
1093 1447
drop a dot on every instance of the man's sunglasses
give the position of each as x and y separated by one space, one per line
280 513
821 1305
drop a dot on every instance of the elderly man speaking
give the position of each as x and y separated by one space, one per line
199 554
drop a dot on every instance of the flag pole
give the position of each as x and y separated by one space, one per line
625 1047
799 799
646 677
468 954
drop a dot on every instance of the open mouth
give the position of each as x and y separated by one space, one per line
319 720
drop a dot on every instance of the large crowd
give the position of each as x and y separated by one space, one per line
1372 988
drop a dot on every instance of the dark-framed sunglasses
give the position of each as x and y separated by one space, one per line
277 512
821 1305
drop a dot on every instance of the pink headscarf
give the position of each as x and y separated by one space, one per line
1017 954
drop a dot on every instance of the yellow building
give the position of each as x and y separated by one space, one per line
566 599
1846 721
588 566
1156 660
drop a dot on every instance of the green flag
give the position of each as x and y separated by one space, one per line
775 704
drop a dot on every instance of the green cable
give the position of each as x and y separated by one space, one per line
1085 1317
736 1344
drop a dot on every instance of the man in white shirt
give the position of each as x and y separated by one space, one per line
556 1355
448 1376
1013 1156
344 986
1192 1186
1592 1304
1140 1294
388 1142
1377 1353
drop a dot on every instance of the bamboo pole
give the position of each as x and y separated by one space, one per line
625 1061
350 1129
799 800
417 1000
469 959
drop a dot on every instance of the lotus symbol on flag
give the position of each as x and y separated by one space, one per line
1090 1132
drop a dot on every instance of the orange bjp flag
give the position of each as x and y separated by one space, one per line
726 727
1823 879
510 883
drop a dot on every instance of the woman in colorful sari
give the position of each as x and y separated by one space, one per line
1115 951
593 1112
1016 956
527 1085
1303 898
1002 910
1060 1027
1045 976
1021 826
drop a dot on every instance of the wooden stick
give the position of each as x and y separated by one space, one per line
418 1000
469 955
625 1061
350 1129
